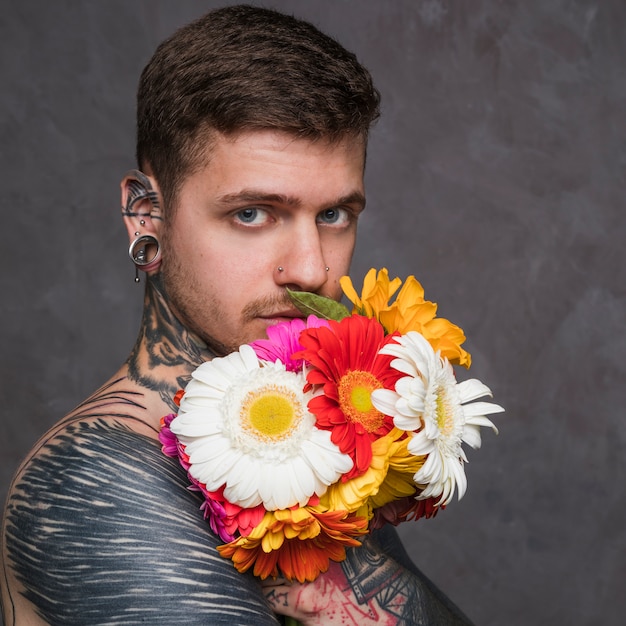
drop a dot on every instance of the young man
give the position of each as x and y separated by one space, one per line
252 128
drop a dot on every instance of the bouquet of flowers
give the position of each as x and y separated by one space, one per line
333 426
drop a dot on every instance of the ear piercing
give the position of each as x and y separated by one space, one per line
137 233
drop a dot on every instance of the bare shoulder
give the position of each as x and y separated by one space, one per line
100 529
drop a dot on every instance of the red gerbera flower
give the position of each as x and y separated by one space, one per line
407 508
344 359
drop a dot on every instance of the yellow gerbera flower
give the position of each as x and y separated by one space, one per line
375 295
399 482
408 312
389 476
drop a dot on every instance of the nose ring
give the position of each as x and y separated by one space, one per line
282 269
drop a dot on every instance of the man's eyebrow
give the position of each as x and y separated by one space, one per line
356 197
252 196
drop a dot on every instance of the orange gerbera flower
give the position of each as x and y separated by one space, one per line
409 311
297 543
344 360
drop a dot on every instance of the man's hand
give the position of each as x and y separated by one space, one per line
329 600
369 587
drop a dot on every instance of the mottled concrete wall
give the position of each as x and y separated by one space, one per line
496 175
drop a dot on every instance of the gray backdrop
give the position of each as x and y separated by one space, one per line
496 175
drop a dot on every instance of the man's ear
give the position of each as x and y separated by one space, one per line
141 205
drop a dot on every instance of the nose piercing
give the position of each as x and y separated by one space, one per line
282 269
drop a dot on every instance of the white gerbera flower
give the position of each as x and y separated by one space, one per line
432 407
245 425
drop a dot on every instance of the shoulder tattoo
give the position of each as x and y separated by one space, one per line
101 529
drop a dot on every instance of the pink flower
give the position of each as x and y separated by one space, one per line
215 513
227 520
169 442
284 340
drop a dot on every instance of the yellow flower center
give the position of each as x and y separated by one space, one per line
355 399
445 416
271 413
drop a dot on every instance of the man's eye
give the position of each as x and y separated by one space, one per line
334 216
251 216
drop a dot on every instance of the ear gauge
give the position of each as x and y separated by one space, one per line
145 253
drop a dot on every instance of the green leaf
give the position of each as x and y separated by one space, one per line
312 304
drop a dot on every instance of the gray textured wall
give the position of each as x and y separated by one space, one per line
496 175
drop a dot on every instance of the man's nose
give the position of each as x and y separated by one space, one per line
301 265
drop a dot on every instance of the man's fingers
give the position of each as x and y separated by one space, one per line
275 582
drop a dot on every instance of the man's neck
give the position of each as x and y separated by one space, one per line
165 353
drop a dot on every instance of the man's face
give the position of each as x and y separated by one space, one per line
263 200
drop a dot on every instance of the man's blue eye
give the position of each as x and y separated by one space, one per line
248 215
330 216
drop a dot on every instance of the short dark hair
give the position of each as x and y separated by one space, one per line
243 68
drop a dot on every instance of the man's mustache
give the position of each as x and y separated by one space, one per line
267 306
